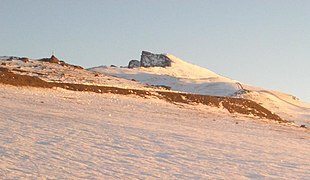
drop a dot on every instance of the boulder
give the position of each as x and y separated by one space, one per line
149 59
134 64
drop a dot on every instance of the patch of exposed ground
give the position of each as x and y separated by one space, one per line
233 105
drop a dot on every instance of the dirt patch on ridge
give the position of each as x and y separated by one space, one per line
233 105
7 77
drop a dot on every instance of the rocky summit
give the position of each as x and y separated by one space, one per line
149 59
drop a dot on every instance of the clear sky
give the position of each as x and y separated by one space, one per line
265 43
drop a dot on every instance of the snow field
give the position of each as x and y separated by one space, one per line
60 134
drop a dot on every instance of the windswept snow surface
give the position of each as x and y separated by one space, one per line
60 134
181 76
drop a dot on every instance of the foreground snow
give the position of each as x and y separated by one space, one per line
61 134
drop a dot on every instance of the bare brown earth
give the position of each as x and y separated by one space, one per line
233 105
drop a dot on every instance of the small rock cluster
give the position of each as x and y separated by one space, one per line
149 59
52 59
55 60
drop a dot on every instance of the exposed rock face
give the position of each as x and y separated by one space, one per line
54 59
149 59
154 60
134 64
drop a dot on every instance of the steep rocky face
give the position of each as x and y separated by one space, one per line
134 64
154 60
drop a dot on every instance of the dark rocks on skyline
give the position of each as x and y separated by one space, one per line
134 64
149 59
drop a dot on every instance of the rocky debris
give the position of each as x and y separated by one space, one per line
24 59
134 64
160 87
149 59
52 59
55 60
241 92
11 58
233 105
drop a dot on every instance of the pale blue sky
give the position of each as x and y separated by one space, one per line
263 43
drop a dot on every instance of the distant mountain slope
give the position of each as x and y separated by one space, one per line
287 106
64 73
185 77
176 75
180 76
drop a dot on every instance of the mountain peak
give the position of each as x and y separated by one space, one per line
169 64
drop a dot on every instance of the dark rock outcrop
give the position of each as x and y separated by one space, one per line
24 59
134 64
149 59
54 59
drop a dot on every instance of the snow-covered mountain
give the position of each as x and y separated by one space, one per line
163 72
180 76
60 121
185 77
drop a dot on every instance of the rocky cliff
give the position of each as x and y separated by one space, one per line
149 59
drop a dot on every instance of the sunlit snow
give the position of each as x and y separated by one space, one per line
60 134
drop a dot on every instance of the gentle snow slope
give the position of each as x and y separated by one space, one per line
185 77
59 134
181 76
286 106
56 73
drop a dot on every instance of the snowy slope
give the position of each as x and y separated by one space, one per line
60 134
286 106
181 76
185 77
52 72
